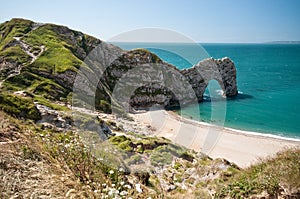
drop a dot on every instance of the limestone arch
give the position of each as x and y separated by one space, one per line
221 70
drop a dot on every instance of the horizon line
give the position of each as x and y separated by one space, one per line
198 42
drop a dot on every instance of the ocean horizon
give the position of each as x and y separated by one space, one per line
268 78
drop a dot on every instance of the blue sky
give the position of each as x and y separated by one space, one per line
204 21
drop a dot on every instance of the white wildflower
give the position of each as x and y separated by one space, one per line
110 193
111 172
123 193
127 186
138 188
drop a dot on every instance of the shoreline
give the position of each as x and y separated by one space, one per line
240 147
233 130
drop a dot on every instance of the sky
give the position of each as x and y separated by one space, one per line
206 21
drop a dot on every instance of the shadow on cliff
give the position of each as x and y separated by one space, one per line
206 99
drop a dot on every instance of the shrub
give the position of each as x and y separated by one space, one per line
104 106
160 159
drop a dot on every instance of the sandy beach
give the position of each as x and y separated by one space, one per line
241 147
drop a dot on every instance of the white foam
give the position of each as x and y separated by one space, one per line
262 134
220 92
251 133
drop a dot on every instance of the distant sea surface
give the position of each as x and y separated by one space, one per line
268 77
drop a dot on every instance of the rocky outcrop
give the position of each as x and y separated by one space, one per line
138 78
222 70
62 121
8 68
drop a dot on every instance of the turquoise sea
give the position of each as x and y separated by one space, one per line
268 77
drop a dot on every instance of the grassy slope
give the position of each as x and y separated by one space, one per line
58 57
271 176
20 107
63 52
13 28
37 78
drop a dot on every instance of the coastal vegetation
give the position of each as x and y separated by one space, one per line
270 176
50 151
30 147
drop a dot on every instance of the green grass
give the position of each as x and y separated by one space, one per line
30 153
45 102
104 106
23 81
43 90
160 158
13 28
36 84
20 107
50 90
15 54
61 54
160 150
135 159
284 169
57 57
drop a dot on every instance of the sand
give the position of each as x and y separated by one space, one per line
240 147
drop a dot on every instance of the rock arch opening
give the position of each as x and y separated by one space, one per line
221 70
213 91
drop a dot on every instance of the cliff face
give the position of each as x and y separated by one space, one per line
139 78
45 60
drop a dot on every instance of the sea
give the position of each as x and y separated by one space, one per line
268 79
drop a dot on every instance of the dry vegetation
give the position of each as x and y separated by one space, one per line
43 163
26 170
